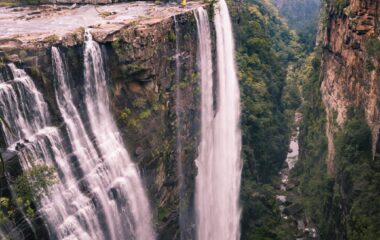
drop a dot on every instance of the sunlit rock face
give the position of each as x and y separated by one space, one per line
350 66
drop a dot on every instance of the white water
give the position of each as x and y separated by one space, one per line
98 194
219 164
30 120
132 214
22 106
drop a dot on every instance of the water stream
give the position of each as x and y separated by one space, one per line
288 190
219 164
99 193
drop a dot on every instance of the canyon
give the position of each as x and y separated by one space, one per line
248 119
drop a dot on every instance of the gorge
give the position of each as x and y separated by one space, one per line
249 119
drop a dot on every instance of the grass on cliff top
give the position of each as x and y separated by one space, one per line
13 3
8 3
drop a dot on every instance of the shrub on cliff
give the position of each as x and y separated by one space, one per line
358 178
29 188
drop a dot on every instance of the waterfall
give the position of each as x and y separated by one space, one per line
131 212
22 106
204 194
99 194
219 164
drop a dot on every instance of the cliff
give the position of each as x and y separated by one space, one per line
138 42
339 169
350 66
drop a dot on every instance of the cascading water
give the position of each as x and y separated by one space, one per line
131 203
25 117
219 164
204 192
99 193
40 143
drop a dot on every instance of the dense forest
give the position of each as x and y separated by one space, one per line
272 58
296 73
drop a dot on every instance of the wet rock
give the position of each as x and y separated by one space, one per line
135 87
14 58
293 209
139 151
363 29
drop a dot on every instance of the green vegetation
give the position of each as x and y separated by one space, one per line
301 15
139 102
51 39
125 114
311 170
267 55
141 109
369 66
34 183
171 36
265 49
373 48
29 188
341 4
347 205
9 3
145 114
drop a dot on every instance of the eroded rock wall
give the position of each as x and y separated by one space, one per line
140 64
350 65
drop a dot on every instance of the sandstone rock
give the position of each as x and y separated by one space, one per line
347 81
14 58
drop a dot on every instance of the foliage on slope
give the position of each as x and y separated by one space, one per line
347 205
29 187
301 15
344 205
7 3
311 169
265 50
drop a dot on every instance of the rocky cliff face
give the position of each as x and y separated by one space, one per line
140 56
340 168
350 65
